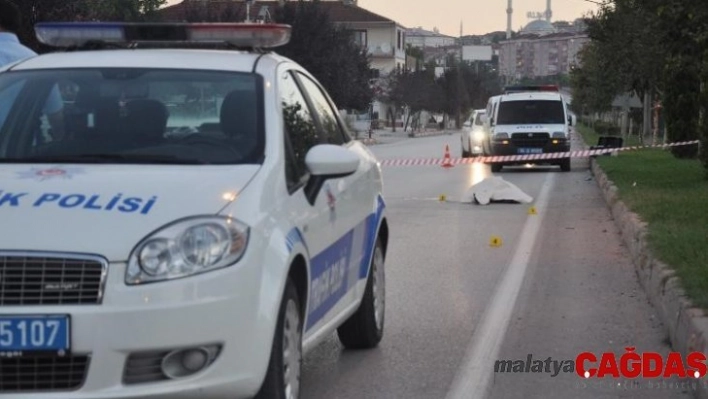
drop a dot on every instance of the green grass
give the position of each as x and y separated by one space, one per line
671 195
590 136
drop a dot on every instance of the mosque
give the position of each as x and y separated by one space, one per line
541 48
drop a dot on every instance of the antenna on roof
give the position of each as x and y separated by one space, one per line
248 9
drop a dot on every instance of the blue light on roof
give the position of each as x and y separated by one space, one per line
67 34
77 34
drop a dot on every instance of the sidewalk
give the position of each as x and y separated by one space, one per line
388 136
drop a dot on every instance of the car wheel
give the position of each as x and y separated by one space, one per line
364 329
565 165
496 167
465 154
282 379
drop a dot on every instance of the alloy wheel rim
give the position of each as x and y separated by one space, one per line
292 351
379 289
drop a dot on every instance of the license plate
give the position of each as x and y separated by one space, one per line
24 335
530 150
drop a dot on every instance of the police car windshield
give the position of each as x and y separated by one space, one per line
530 111
478 119
129 115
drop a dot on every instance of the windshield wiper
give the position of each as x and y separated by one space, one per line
107 158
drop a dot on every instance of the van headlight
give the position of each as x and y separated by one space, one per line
558 135
501 136
478 135
187 247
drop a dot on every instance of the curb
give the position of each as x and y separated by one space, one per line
687 325
374 141
432 134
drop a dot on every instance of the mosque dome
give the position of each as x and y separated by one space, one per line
539 27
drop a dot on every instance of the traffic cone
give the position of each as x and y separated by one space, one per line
446 159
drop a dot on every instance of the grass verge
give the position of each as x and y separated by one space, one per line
671 195
590 136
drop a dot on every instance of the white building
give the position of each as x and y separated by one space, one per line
540 50
419 37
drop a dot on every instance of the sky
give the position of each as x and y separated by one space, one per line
477 16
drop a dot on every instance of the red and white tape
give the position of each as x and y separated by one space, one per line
516 158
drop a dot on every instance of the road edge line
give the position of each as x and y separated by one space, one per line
474 375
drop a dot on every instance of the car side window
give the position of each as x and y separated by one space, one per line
333 132
300 129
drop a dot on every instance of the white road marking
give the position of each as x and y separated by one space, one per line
475 374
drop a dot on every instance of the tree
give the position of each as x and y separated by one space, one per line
418 92
417 54
629 47
684 36
651 47
593 88
466 87
328 52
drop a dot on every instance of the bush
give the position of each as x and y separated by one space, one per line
606 128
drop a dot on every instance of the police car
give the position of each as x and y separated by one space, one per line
473 135
179 222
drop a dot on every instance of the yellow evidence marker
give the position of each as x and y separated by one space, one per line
495 242
443 198
532 211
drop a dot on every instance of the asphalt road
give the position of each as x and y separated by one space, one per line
559 284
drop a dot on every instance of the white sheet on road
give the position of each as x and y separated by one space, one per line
493 189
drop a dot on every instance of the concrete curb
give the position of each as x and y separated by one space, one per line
431 134
374 141
687 325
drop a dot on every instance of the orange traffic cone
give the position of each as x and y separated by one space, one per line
446 159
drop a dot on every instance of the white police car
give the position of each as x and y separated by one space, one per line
179 223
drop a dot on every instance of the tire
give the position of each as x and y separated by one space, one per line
565 165
496 167
364 329
465 154
275 385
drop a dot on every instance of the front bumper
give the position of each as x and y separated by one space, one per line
218 308
511 147
476 148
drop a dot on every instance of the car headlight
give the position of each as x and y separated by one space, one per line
187 247
478 135
501 136
558 135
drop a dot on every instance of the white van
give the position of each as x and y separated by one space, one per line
529 123
490 110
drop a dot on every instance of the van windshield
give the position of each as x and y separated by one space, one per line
531 111
131 115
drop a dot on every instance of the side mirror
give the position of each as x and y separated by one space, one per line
328 161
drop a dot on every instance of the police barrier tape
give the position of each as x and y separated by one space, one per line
516 158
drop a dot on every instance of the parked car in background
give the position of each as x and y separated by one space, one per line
473 135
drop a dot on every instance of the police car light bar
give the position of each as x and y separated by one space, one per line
522 89
77 34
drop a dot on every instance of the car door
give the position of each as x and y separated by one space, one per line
318 216
352 194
